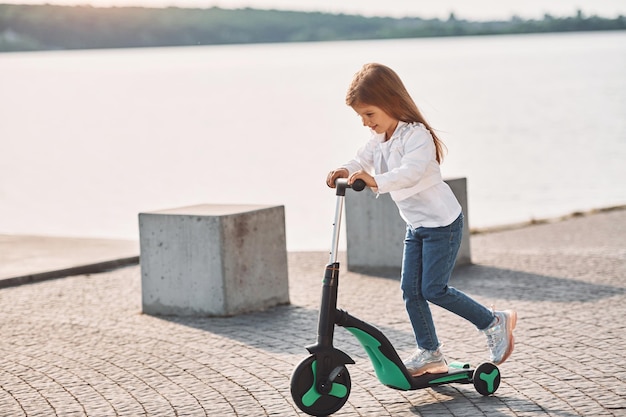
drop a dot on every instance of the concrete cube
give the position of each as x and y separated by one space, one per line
213 260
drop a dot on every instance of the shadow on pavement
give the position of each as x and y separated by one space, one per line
516 285
499 405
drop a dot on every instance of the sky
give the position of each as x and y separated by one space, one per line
463 9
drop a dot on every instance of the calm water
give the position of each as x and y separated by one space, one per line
88 139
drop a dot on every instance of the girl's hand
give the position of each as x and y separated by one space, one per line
369 180
334 174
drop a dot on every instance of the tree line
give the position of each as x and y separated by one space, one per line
49 27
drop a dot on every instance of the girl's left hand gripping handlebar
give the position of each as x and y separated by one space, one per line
342 183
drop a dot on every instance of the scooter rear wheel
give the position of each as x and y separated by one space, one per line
306 396
486 378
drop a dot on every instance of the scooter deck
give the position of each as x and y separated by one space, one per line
460 373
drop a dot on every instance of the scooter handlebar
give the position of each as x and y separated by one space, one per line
342 183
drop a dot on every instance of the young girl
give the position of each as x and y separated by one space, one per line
402 158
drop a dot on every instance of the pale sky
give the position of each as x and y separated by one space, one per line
463 9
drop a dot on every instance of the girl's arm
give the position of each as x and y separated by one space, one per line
362 163
364 159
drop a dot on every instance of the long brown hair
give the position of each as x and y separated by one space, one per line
378 85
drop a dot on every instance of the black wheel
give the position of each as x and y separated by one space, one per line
306 395
486 378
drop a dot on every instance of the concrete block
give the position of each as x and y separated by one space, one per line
213 260
375 231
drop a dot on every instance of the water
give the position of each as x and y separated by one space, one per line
88 139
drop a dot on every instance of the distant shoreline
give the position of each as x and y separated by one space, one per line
49 27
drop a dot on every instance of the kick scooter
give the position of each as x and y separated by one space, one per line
320 384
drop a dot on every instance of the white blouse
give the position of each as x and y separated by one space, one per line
406 167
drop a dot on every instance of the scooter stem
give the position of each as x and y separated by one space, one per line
341 184
336 229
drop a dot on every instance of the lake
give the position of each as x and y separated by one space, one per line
88 139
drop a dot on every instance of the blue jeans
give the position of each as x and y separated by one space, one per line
428 260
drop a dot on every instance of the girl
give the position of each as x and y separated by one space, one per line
402 158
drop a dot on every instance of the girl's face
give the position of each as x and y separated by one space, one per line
376 119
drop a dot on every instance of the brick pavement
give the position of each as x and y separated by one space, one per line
80 346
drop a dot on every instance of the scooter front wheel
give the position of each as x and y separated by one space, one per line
306 395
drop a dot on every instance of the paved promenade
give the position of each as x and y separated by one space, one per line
80 346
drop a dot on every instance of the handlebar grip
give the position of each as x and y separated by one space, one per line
358 185
342 183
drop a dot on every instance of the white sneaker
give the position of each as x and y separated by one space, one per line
426 361
500 336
